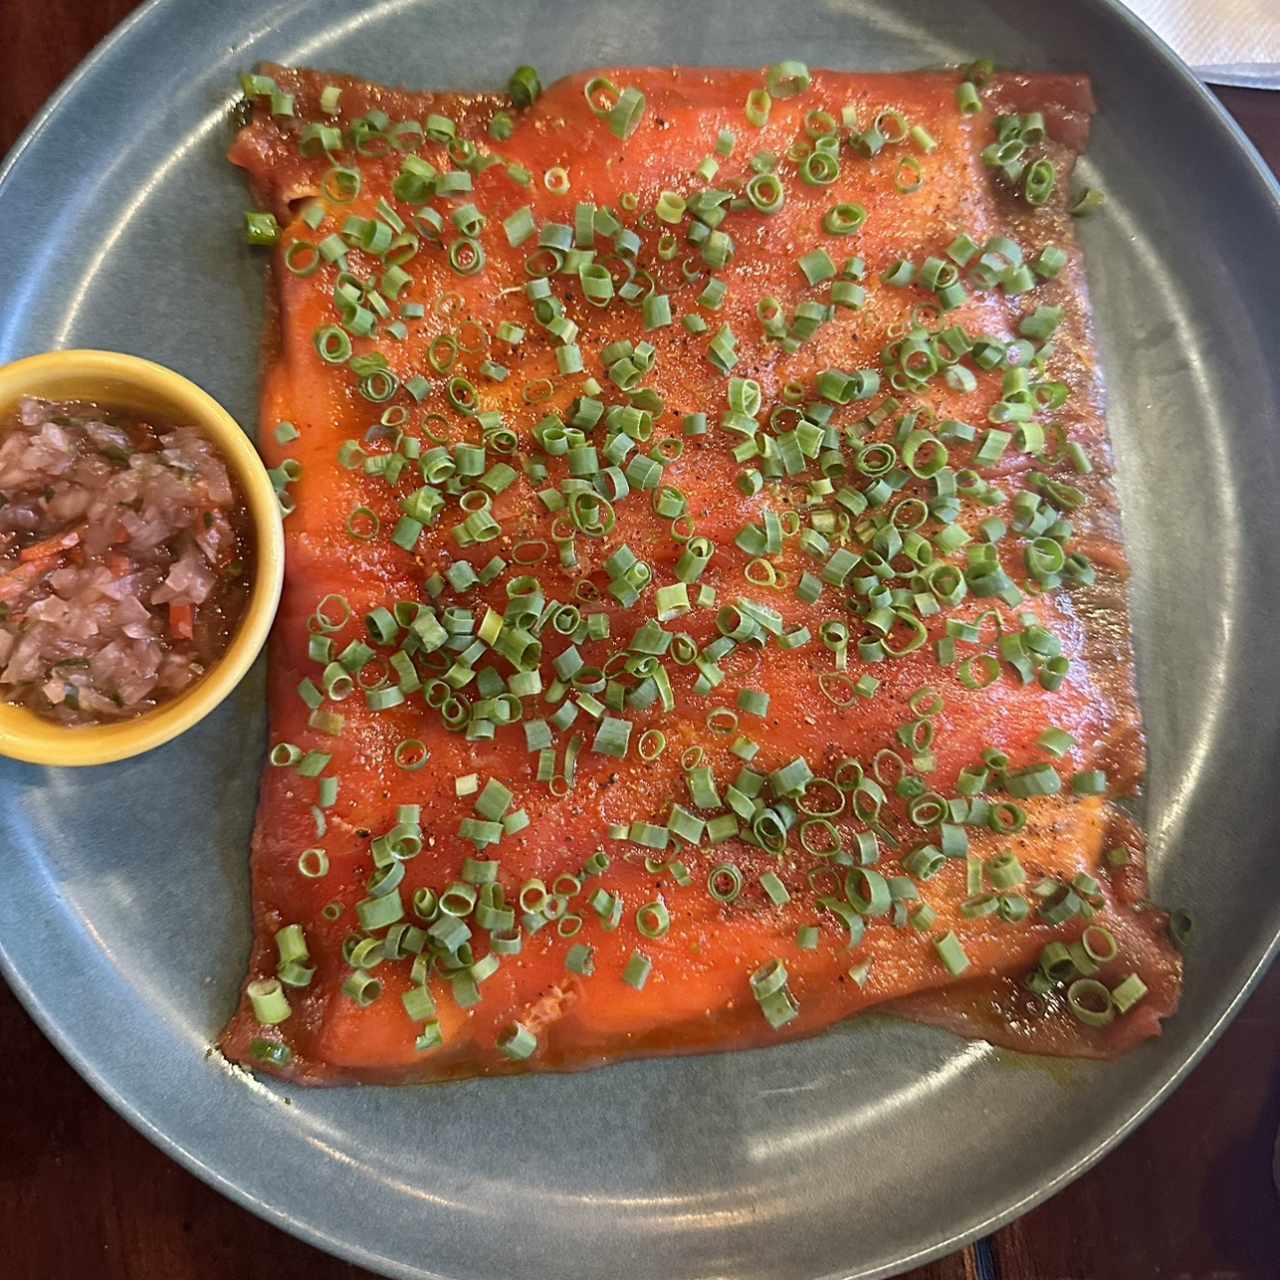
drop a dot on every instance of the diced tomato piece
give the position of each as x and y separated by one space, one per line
182 620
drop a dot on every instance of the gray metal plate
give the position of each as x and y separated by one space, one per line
124 923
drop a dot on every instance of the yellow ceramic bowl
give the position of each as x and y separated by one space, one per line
128 382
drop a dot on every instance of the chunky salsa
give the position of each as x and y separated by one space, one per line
705 609
126 559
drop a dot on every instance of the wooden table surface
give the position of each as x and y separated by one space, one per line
1188 1197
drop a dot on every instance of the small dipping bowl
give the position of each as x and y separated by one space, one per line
128 382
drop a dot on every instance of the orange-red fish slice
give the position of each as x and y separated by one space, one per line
596 978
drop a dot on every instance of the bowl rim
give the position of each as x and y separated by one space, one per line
28 737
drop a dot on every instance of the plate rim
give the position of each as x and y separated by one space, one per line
1269 182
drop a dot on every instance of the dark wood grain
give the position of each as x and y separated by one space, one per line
1190 1196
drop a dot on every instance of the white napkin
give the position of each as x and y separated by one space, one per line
1225 41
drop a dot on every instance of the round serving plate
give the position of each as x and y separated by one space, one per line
124 924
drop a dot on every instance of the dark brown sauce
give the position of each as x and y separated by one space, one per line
127 559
